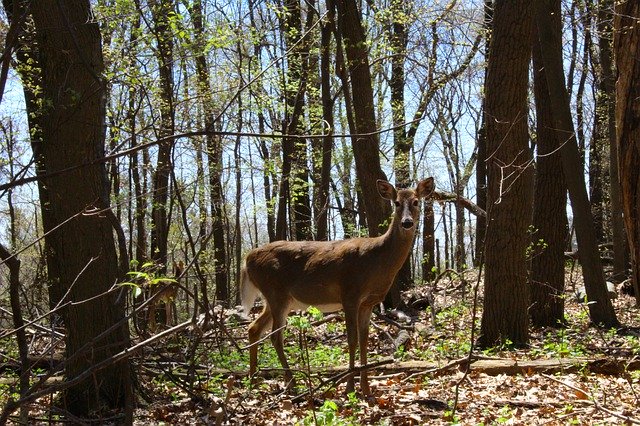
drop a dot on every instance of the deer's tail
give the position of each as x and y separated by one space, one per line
248 290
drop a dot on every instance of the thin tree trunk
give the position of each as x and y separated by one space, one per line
428 243
214 163
401 144
161 11
327 141
481 165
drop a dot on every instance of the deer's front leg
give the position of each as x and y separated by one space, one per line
277 339
364 317
351 320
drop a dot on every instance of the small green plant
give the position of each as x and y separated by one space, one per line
504 414
327 414
449 416
145 277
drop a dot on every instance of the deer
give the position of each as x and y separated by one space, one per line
352 275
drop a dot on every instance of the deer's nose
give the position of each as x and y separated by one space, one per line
407 223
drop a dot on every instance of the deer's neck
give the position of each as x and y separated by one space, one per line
398 241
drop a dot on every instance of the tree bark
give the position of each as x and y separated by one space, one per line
365 143
327 142
214 162
81 259
401 144
601 310
627 51
549 210
607 89
481 165
510 176
294 187
161 10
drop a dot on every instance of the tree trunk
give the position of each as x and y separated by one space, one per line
322 202
627 51
294 188
161 11
401 144
428 243
481 165
601 310
365 143
82 259
607 88
510 176
549 209
214 162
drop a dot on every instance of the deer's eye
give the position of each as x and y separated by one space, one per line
397 203
415 202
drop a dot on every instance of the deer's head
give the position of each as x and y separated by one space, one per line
406 201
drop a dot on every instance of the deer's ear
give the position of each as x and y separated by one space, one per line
425 188
386 190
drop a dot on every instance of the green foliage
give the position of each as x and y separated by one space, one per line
327 414
146 277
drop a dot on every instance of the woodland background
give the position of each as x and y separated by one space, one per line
140 135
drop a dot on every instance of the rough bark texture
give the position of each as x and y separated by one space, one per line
481 165
214 162
549 210
294 185
601 310
159 212
365 144
82 257
510 176
324 148
607 88
627 50
401 144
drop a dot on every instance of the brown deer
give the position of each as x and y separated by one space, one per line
353 275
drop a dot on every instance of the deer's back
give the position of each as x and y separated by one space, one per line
315 270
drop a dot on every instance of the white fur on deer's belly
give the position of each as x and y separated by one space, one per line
297 305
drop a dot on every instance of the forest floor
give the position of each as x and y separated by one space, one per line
575 375
578 374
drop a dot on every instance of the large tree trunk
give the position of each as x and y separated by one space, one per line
81 259
549 209
510 176
627 51
366 143
601 310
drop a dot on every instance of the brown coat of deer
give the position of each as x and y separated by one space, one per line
353 275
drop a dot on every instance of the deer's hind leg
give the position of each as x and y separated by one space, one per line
351 322
256 330
364 317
